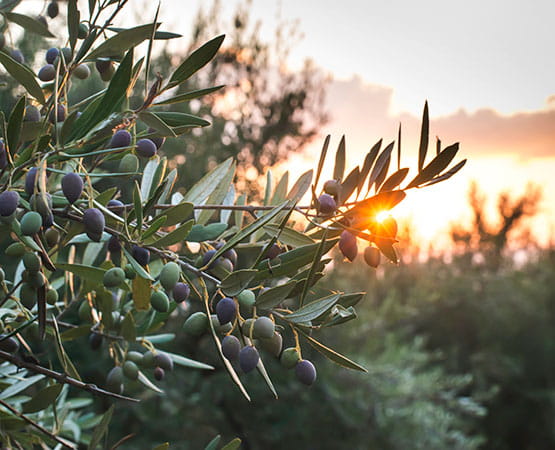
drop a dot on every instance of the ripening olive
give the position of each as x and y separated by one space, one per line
47 73
246 299
32 262
196 324
51 296
113 277
289 357
8 202
159 301
30 180
51 55
372 256
57 114
114 380
169 276
263 328
348 245
164 361
146 148
116 206
141 255
305 372
52 236
121 138
31 223
28 295
82 31
94 223
130 370
114 245
226 310
181 292
332 187
52 9
82 72
32 114
326 204
231 347
148 360
72 186
248 358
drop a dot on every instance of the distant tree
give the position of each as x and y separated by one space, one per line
263 112
489 238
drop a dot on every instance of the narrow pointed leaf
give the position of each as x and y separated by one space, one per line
23 75
198 59
322 159
394 180
339 168
436 166
332 355
424 134
236 282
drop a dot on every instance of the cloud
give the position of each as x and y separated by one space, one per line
363 112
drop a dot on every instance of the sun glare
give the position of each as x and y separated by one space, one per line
382 215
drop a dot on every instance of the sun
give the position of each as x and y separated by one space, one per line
381 216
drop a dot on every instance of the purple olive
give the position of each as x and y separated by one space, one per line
348 245
121 138
231 347
306 372
226 310
141 255
94 223
72 186
248 358
326 204
181 292
8 203
146 148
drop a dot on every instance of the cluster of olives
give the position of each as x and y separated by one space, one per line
327 202
160 362
260 332
327 205
61 58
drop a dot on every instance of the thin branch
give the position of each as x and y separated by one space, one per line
61 377
66 444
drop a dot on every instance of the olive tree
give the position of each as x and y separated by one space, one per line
97 245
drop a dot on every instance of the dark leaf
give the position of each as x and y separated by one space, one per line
237 281
368 163
23 75
121 42
322 159
30 24
314 309
394 180
198 59
15 124
274 296
380 169
332 355
436 166
424 132
349 185
339 168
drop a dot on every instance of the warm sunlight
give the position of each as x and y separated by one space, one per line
382 215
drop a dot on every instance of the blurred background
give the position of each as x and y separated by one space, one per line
459 338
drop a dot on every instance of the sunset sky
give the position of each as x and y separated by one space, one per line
486 68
